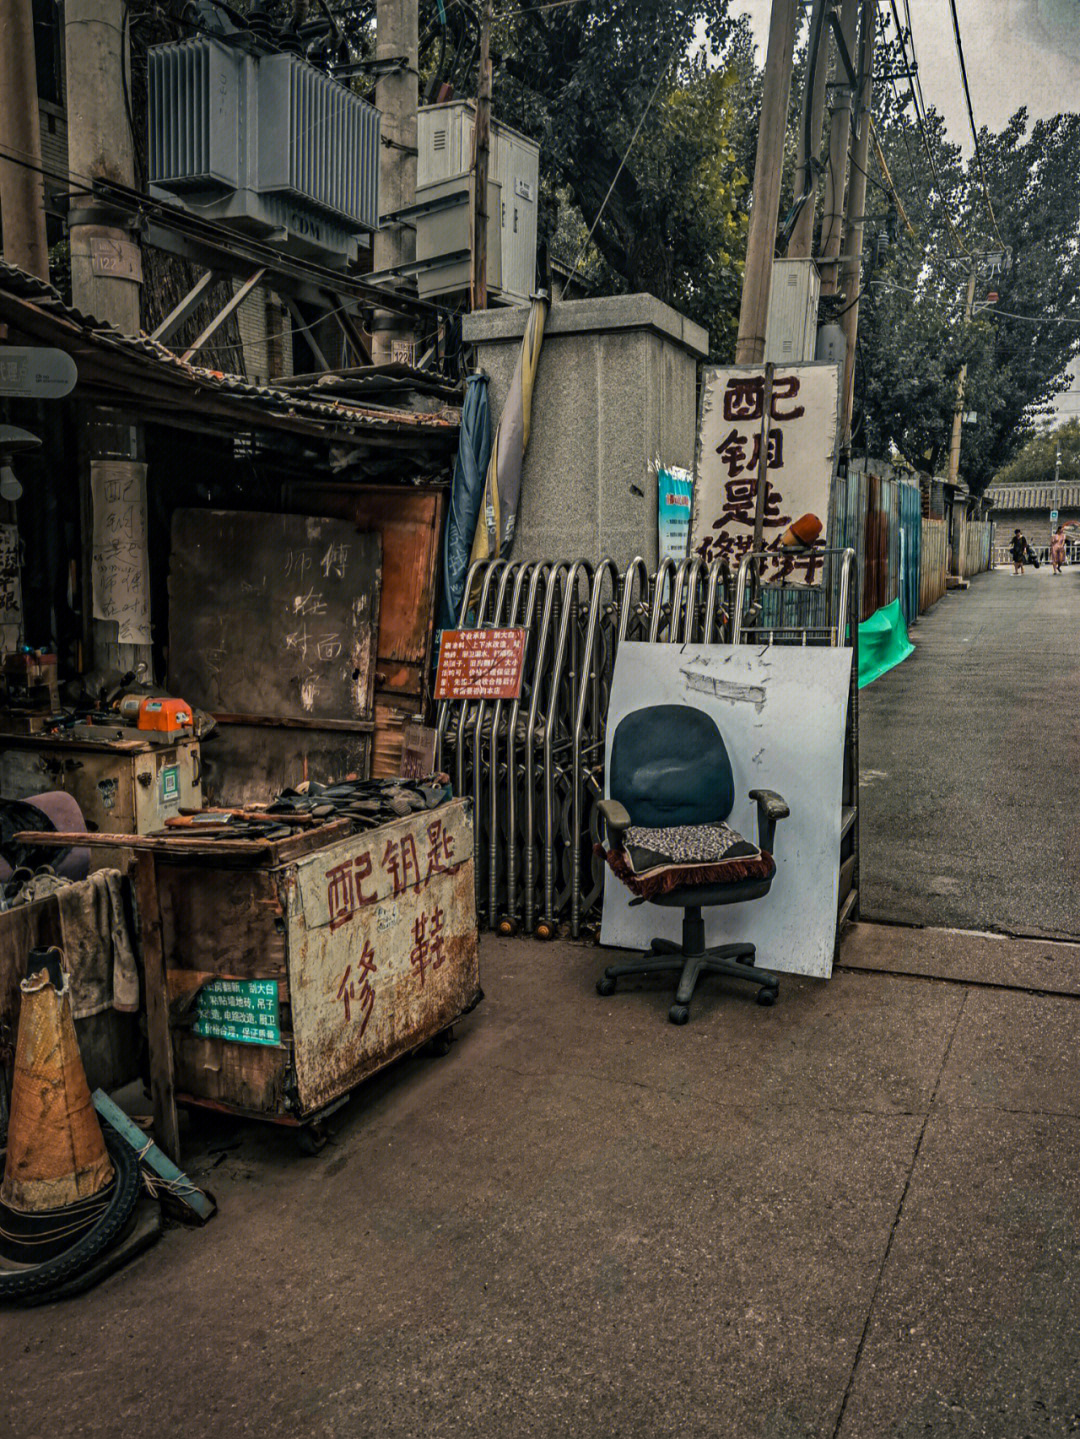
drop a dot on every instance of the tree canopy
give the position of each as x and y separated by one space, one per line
1035 462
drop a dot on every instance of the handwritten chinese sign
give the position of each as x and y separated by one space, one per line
245 1011
383 946
119 567
799 456
10 590
480 665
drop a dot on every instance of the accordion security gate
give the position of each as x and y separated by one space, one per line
535 766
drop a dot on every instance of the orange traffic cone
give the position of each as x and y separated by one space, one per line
56 1155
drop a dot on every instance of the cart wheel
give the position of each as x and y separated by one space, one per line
311 1138
440 1045
545 929
508 926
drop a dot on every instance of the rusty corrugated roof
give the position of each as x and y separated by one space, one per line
146 373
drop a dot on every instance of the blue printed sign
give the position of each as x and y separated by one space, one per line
675 493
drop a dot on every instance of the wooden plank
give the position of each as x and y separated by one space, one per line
267 851
247 1077
228 924
357 726
166 1125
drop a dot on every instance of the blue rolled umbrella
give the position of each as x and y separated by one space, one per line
466 496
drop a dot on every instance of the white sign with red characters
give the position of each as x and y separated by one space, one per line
383 946
800 452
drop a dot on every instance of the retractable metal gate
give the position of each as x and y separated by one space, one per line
535 766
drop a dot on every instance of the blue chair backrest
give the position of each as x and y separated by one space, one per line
669 766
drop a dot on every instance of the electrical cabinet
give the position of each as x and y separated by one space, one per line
791 329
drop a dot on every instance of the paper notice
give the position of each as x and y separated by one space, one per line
121 575
11 615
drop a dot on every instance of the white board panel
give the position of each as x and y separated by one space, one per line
781 711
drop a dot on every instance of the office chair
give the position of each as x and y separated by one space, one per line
670 790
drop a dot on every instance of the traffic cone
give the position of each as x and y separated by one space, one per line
56 1155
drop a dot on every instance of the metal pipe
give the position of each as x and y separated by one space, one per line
637 568
529 909
493 760
665 572
443 716
478 743
493 568
604 567
541 575
577 569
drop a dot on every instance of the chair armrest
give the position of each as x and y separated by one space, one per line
774 805
616 818
770 808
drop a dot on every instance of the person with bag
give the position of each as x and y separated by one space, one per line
1018 548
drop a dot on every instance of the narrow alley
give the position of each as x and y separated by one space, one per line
970 758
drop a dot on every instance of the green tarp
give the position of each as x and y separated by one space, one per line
883 643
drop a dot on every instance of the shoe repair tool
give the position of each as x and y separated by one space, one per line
156 718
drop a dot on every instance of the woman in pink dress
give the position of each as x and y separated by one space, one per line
1057 547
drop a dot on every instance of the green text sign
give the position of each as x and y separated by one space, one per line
243 1010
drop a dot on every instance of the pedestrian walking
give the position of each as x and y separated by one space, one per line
1057 546
1018 549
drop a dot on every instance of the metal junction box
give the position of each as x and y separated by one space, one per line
263 142
791 330
444 137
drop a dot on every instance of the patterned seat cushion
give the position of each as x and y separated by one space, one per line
656 861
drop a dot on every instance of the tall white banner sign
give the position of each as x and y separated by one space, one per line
800 454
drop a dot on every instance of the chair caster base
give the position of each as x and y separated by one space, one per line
679 1013
605 985
768 994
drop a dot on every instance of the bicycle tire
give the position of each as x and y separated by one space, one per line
36 1282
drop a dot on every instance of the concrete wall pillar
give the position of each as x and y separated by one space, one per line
616 391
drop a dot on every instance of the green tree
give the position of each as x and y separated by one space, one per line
672 220
1035 462
913 336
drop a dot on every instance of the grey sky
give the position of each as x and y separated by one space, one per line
1019 52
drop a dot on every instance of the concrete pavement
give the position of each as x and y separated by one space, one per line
970 756
854 1214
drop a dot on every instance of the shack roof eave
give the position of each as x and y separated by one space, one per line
134 373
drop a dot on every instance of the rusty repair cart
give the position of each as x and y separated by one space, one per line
281 973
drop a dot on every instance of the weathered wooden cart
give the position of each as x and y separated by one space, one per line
295 968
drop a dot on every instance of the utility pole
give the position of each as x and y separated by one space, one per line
106 273
832 214
397 96
22 186
855 220
801 244
961 380
481 148
765 205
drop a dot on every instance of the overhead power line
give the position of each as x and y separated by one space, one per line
911 70
971 121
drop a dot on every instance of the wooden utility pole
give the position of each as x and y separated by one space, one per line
961 381
855 219
22 187
765 204
397 96
801 244
481 149
832 214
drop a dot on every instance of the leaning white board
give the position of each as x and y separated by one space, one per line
781 711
